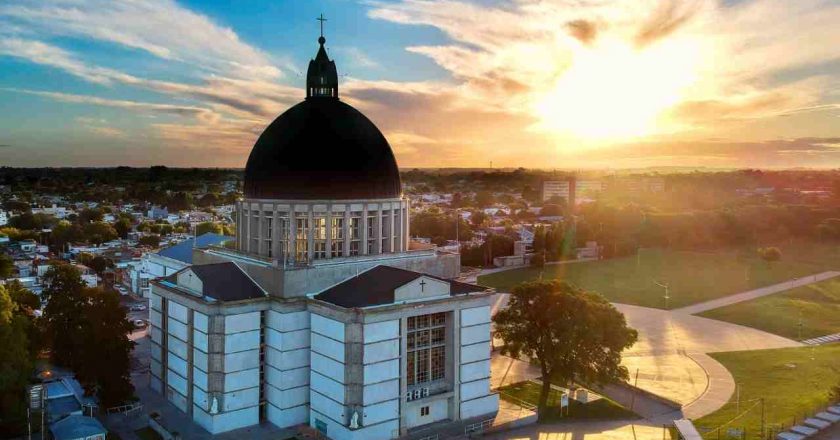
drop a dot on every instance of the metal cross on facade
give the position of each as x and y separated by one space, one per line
422 285
322 20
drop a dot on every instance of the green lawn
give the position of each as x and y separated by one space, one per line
692 276
816 305
601 409
792 381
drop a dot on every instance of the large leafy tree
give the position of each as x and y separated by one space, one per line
16 357
63 316
7 266
104 329
84 327
574 336
123 227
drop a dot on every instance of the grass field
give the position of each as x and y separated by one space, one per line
601 409
792 381
816 305
692 276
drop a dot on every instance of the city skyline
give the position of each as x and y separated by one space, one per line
451 84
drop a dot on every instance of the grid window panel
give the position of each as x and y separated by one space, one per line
422 366
410 368
438 336
438 363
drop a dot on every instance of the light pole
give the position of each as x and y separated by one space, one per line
667 291
457 223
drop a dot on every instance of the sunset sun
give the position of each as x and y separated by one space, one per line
614 90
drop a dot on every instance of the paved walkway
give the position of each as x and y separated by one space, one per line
756 293
823 339
671 355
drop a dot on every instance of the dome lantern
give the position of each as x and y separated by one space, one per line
322 76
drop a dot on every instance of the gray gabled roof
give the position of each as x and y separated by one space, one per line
376 287
223 282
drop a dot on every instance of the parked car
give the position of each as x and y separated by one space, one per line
122 290
137 308
139 323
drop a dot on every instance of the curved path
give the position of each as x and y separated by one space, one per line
757 293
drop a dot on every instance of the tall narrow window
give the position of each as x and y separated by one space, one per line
301 236
337 231
319 230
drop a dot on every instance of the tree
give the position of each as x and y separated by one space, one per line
209 199
99 232
29 221
7 266
16 360
63 318
105 331
65 232
100 264
123 227
83 326
770 254
89 215
205 227
573 335
150 240
484 199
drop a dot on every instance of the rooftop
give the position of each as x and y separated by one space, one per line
377 287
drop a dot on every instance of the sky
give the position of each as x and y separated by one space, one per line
564 84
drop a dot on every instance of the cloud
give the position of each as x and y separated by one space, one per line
583 30
108 132
178 110
45 54
665 20
161 28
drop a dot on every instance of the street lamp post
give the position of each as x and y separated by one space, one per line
667 288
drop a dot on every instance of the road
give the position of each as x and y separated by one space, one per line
756 293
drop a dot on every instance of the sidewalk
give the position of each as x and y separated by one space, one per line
756 293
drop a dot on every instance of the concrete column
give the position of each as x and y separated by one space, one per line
391 231
364 231
345 251
261 231
238 205
329 230
403 377
455 362
276 232
377 231
310 236
354 367
407 236
248 229
292 250
190 344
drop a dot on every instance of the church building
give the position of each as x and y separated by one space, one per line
323 314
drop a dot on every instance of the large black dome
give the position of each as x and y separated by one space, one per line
322 149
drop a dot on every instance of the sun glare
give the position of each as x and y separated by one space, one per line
614 90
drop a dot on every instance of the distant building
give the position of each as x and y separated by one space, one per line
556 188
58 212
158 213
